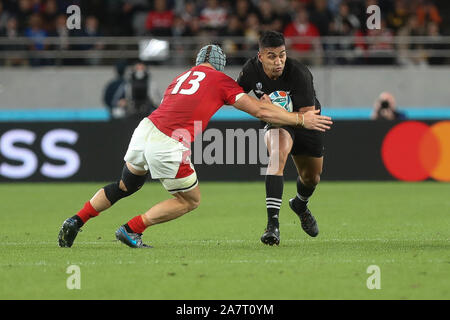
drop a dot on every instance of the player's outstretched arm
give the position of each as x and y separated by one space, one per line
271 113
267 112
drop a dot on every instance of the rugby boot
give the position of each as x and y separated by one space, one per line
271 235
68 233
307 220
133 240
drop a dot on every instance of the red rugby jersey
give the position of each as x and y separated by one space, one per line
192 99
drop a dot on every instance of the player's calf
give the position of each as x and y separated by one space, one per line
190 204
300 202
310 180
170 209
305 189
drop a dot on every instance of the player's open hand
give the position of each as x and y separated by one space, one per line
314 121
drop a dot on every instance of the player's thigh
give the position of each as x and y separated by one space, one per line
135 171
309 168
279 142
135 155
182 185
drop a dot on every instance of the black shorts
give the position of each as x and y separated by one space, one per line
305 142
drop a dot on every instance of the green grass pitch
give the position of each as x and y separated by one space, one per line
215 251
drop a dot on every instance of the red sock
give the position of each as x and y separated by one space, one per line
137 224
87 212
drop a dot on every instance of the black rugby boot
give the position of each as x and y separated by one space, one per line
68 233
271 235
307 220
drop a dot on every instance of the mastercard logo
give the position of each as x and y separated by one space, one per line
415 151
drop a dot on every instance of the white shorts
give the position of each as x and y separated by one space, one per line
167 159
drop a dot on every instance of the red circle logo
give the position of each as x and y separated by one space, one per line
414 151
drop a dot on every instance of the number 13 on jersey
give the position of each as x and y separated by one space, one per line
194 81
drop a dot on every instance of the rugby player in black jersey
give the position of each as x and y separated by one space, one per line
271 70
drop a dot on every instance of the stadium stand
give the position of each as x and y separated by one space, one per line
321 32
331 36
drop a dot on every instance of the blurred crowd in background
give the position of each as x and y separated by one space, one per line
39 19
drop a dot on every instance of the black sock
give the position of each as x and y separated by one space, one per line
80 222
274 195
303 194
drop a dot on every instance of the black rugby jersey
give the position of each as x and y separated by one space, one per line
296 80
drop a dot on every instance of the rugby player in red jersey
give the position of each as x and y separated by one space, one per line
161 145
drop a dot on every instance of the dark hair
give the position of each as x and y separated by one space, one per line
271 39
